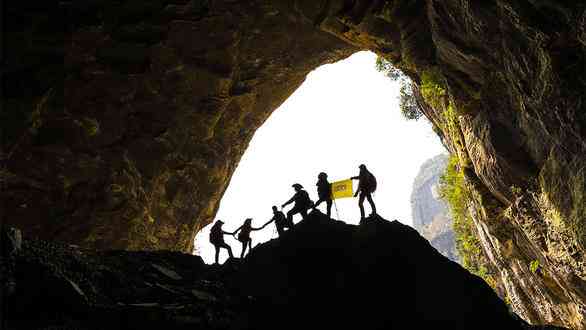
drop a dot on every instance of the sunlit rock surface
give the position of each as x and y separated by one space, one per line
321 274
430 213
123 121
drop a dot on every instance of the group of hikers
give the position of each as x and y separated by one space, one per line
302 203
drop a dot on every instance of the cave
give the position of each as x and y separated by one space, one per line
123 121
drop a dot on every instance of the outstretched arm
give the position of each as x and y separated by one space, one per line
255 229
234 232
289 201
266 224
359 189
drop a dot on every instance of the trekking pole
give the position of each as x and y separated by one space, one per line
336 207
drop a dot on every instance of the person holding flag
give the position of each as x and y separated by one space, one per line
324 192
366 186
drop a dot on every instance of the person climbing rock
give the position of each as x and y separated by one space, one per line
302 203
324 192
366 186
244 235
217 239
280 220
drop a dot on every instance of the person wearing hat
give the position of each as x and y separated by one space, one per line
366 186
324 192
217 239
302 203
244 235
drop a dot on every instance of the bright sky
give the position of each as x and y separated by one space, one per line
343 115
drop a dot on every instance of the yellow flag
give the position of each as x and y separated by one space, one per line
342 189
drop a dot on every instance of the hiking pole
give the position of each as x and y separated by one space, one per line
336 207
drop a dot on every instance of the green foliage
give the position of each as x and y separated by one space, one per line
386 67
432 88
454 192
516 191
409 107
407 102
534 266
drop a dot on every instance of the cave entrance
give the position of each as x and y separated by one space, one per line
344 114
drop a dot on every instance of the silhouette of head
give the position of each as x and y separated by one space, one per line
275 209
297 186
248 221
362 167
322 176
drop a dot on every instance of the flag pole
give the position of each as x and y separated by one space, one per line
336 207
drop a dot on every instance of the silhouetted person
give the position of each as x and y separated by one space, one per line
366 186
280 220
324 192
302 202
217 239
244 235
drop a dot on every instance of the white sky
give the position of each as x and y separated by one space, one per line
344 114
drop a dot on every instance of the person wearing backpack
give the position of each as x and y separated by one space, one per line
244 235
366 186
324 192
217 239
302 203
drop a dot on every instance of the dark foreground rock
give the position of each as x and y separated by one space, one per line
324 274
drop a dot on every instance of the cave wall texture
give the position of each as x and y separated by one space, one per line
123 121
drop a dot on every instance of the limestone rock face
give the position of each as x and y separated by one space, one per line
128 134
430 214
123 121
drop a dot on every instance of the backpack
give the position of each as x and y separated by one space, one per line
216 235
304 199
370 182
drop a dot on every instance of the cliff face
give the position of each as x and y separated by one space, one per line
123 129
430 214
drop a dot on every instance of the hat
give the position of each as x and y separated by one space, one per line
220 221
297 185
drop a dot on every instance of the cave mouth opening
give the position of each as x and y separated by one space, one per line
344 114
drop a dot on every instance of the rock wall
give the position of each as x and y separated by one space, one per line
430 214
124 131
123 121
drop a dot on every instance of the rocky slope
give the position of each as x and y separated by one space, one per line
323 273
124 120
430 213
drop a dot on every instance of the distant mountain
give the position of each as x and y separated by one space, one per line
430 214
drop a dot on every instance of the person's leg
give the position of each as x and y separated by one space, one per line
217 252
329 204
371 202
249 245
229 250
303 213
280 230
290 215
227 247
243 249
292 212
361 204
317 203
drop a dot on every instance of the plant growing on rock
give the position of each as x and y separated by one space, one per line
453 190
407 102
